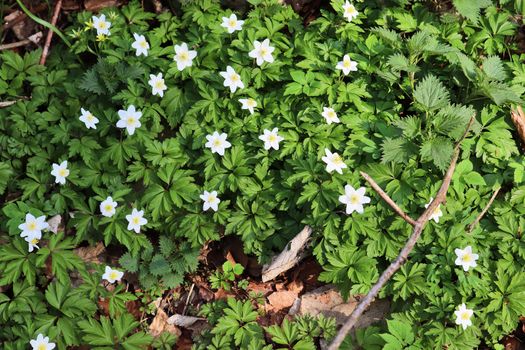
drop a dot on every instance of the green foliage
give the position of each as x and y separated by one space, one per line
223 278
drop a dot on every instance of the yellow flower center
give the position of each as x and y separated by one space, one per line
113 275
232 23
32 226
131 121
136 220
272 138
263 51
354 199
217 143
465 316
234 77
251 102
350 10
102 25
143 44
34 241
63 172
108 207
331 115
211 198
159 85
42 347
336 159
437 211
467 258
90 117
346 63
183 56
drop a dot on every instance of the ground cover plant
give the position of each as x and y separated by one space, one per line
159 134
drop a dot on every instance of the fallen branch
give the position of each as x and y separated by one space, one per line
35 38
47 44
419 225
484 211
518 118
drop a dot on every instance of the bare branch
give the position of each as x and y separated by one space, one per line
387 199
484 211
419 225
47 44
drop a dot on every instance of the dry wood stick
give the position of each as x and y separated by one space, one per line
409 245
47 44
484 211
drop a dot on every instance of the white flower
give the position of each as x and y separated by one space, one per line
249 104
271 139
42 343
262 52
157 84
111 275
210 200
107 207
437 212
33 226
465 258
140 45
217 142
354 199
183 56
330 115
89 119
136 220
129 119
463 316
60 172
347 65
232 79
101 25
33 240
333 162
232 24
349 11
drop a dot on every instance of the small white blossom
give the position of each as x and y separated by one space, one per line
354 199
140 44
232 79
42 343
107 207
111 275
330 115
463 316
271 139
60 172
347 65
437 212
33 226
465 258
333 162
101 25
32 241
89 119
157 84
249 104
136 220
262 52
183 56
217 142
349 11
129 119
232 23
210 200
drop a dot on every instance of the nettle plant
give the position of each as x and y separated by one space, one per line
162 132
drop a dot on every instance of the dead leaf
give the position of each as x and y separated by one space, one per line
518 118
290 256
54 223
160 324
97 5
184 321
91 254
281 300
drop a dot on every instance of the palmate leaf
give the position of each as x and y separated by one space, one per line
431 94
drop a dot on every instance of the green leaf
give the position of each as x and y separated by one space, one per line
431 94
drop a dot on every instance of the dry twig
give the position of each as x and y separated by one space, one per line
518 118
45 51
35 38
484 211
418 224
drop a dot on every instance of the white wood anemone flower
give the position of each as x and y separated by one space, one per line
217 142
232 79
330 115
349 11
346 65
465 258
271 139
262 52
112 275
60 172
354 199
32 241
101 25
107 207
136 220
88 119
42 343
463 316
157 84
437 213
232 23
333 162
140 45
129 119
210 200
184 56
249 104
33 225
